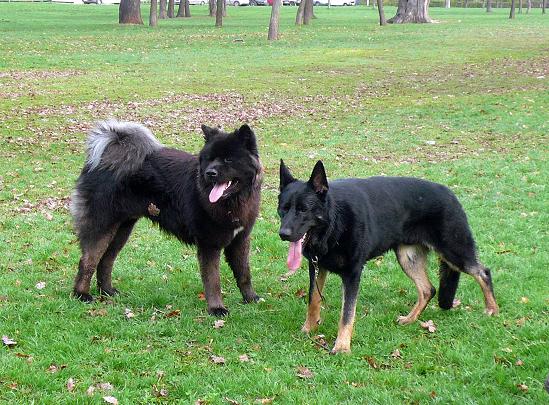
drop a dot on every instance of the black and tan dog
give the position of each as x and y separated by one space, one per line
210 200
341 225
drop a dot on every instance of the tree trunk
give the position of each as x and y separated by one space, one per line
543 6
300 12
171 6
416 11
181 9
447 4
224 9
275 19
219 13
153 14
512 12
213 7
308 12
466 3
382 20
162 14
129 12
187 9
520 6
488 6
528 6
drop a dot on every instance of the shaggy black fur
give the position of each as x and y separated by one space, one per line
171 188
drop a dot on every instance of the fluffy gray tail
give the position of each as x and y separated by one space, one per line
120 147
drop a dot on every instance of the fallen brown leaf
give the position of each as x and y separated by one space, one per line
522 387
429 325
70 384
217 359
304 372
201 296
265 400
128 313
40 285
456 303
372 362
90 390
110 400
173 314
98 312
8 342
396 354
232 401
519 363
219 323
300 293
244 358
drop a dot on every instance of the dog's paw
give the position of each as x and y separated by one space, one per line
491 311
252 298
108 291
340 349
218 312
84 297
405 320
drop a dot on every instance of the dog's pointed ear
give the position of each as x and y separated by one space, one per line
285 176
208 132
247 136
318 180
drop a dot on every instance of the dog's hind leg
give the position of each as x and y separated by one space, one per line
208 258
315 299
104 269
348 309
238 257
413 260
93 247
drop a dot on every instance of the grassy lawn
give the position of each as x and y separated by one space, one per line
462 102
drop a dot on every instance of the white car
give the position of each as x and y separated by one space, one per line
238 2
334 2
197 2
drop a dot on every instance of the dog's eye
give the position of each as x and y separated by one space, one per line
228 160
301 208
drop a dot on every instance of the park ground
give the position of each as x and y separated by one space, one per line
462 102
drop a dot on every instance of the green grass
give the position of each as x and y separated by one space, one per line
364 99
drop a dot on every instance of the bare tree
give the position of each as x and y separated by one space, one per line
543 3
489 6
275 19
184 9
171 7
219 13
300 12
212 5
446 3
520 6
163 14
153 14
416 11
382 20
528 6
512 12
129 12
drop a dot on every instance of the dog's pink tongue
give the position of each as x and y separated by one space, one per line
217 191
294 256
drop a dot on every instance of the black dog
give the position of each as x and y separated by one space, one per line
343 224
211 201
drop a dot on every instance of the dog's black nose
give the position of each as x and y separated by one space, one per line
285 233
211 173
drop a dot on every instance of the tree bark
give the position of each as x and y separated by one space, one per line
382 20
212 4
224 8
520 6
512 12
543 3
416 11
129 12
300 12
447 4
219 13
488 6
153 14
162 14
171 7
308 12
187 9
181 9
275 19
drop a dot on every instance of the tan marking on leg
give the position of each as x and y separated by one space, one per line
313 310
479 274
345 331
413 260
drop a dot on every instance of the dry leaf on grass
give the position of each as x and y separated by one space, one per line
429 325
160 393
173 314
217 359
90 390
98 312
8 342
244 358
372 362
456 303
70 384
300 293
522 387
264 400
40 285
519 363
304 372
232 401
396 354
110 400
128 313
201 296
219 323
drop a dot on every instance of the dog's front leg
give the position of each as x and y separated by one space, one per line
351 284
208 258
316 285
238 257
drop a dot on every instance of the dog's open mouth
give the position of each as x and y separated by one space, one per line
295 254
221 189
